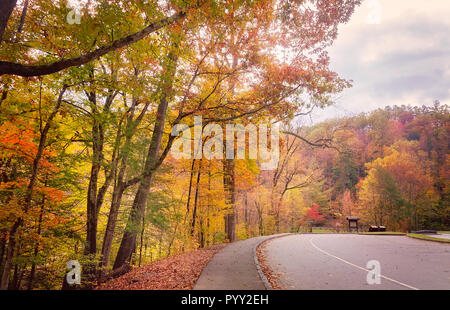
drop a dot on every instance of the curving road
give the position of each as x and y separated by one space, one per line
338 261
233 267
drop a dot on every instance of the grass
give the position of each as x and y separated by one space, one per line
387 233
324 231
382 233
426 237
331 231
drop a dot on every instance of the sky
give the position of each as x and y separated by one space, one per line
397 52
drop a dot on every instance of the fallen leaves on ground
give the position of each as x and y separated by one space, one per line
178 272
271 275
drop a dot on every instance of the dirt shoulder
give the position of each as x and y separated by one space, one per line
271 276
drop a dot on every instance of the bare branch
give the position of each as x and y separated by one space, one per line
324 143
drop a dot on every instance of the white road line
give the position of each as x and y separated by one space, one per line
367 270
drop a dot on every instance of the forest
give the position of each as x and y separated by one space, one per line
89 98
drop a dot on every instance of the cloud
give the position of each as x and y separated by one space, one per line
403 60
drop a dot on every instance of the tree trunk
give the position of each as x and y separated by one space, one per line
2 249
110 227
260 216
36 248
119 187
92 218
15 280
30 189
7 7
9 255
128 242
22 17
95 195
230 198
189 190
169 247
194 210
201 234
142 240
92 206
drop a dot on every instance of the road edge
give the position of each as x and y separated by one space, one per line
424 238
201 272
258 266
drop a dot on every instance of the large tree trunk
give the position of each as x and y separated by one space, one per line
110 226
6 8
92 212
128 243
14 285
22 17
96 196
119 186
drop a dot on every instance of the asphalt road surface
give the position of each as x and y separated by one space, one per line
233 268
339 261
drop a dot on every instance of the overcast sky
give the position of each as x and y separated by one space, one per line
396 52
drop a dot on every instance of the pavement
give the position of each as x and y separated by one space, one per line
233 268
339 261
438 235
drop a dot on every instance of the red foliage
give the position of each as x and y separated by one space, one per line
314 214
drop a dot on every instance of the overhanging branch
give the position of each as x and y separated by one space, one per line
38 70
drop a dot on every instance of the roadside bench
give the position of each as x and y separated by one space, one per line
377 228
